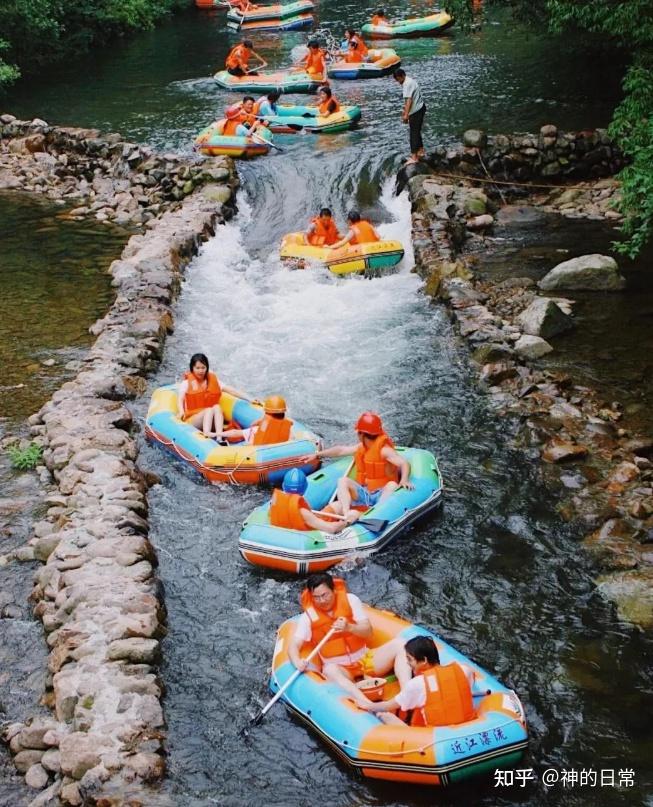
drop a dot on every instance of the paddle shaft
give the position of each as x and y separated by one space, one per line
292 678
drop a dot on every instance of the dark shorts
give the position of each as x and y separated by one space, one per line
415 122
236 71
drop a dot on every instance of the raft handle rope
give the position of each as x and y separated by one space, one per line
345 744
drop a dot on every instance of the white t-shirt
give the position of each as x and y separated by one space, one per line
411 90
413 695
303 630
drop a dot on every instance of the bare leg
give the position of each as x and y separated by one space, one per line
392 655
218 418
388 490
339 676
389 719
344 494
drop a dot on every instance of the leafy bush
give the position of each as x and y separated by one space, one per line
25 458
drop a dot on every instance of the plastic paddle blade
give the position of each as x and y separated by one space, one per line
373 524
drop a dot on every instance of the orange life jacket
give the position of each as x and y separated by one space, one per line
372 470
364 233
202 396
314 63
448 697
230 127
324 107
341 643
238 57
272 430
378 20
324 232
285 511
357 50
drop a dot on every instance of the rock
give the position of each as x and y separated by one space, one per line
532 347
25 759
49 797
36 777
80 752
217 193
136 650
51 760
544 318
549 130
588 272
45 546
474 206
559 450
32 736
496 372
632 591
491 352
482 222
70 794
474 138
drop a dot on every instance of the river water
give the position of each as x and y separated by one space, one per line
496 573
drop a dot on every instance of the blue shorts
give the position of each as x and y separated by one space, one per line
364 497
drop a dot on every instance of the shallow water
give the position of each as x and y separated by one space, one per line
497 573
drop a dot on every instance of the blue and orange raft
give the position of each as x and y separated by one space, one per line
304 552
238 463
496 737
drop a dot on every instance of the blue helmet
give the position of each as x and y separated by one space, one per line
295 481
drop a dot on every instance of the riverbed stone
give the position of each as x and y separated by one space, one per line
587 272
632 591
36 777
25 759
532 347
544 318
560 450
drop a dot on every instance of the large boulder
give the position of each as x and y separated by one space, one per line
544 318
588 272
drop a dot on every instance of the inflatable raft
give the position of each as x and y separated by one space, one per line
294 118
381 63
496 737
304 552
274 11
211 142
267 81
432 25
238 463
347 259
287 24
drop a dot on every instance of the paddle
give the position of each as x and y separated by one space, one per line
296 127
264 142
372 524
257 718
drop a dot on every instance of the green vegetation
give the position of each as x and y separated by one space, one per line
39 32
628 25
25 458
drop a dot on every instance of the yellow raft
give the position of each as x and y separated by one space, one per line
347 259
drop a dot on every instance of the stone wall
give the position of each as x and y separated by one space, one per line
550 155
97 593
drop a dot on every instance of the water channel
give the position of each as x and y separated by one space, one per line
497 573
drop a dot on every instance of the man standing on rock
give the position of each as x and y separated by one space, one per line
412 114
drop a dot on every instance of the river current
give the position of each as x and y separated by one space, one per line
496 573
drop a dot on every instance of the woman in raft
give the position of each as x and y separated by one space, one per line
198 398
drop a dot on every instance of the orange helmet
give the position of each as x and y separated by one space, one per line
275 405
233 111
369 423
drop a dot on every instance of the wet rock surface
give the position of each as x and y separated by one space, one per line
96 591
584 442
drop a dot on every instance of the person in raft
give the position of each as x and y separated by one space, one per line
379 18
289 510
356 49
267 104
273 427
327 103
314 63
360 231
322 231
438 695
327 604
379 469
237 62
198 397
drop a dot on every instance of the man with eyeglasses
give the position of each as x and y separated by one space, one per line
379 469
328 606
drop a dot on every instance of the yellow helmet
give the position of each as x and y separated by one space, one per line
275 405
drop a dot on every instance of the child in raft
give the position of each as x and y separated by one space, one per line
198 397
274 427
356 49
360 231
379 18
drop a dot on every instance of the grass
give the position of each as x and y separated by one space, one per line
23 459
